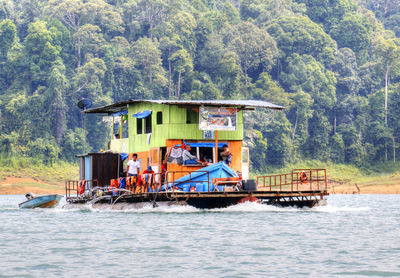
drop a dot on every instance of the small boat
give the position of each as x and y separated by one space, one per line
44 201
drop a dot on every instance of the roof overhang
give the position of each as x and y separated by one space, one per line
241 104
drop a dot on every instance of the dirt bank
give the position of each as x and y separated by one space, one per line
19 185
335 188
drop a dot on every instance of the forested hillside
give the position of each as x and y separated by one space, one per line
333 63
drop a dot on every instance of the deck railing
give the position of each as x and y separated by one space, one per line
72 187
298 179
170 179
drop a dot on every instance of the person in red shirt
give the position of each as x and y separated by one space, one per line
145 180
163 170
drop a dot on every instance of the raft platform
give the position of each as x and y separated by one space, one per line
300 188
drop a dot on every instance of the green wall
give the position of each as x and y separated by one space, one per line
173 127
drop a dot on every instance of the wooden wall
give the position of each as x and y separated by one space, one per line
234 146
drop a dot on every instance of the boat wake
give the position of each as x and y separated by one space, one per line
247 207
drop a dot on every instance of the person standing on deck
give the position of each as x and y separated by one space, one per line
133 167
226 156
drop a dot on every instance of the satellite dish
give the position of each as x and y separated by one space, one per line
85 103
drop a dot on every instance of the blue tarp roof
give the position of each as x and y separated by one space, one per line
205 145
142 115
125 112
124 156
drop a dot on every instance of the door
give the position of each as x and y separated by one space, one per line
245 163
154 159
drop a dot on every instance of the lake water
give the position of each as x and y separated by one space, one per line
353 236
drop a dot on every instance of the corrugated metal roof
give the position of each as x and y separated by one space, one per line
243 104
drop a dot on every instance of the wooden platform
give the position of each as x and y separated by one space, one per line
209 200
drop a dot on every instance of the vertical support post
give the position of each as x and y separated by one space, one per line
208 179
112 131
291 182
216 147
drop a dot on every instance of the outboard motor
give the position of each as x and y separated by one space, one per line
30 195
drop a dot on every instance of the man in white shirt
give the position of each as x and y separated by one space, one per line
133 168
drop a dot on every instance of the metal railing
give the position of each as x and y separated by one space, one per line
170 178
298 179
73 187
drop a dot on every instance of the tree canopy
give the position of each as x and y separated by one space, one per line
333 64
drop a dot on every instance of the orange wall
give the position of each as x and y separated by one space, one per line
234 146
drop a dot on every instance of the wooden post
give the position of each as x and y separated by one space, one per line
216 147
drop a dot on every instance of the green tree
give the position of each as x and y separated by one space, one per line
182 63
147 57
254 46
388 54
353 31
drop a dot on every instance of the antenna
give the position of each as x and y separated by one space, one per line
84 104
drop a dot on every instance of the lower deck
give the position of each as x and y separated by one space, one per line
206 200
300 187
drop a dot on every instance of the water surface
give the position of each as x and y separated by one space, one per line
353 236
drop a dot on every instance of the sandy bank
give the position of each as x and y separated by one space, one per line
22 185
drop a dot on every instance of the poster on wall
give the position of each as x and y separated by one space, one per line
217 118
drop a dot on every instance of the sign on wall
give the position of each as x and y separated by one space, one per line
208 134
217 118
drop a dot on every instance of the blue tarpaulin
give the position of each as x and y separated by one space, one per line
205 145
200 179
125 112
142 115
124 156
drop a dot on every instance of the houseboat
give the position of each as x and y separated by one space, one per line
161 136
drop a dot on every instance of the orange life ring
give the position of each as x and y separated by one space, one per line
303 177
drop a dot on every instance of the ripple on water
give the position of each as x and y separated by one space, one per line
371 273
350 236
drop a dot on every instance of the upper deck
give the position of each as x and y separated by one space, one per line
152 122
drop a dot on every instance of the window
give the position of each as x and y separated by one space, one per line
125 129
206 154
139 126
159 118
192 117
147 123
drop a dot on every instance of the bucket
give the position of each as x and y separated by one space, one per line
250 185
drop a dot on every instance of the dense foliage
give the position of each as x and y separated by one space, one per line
333 64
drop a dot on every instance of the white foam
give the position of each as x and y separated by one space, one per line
182 209
331 209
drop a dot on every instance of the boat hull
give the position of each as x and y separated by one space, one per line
46 201
204 200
